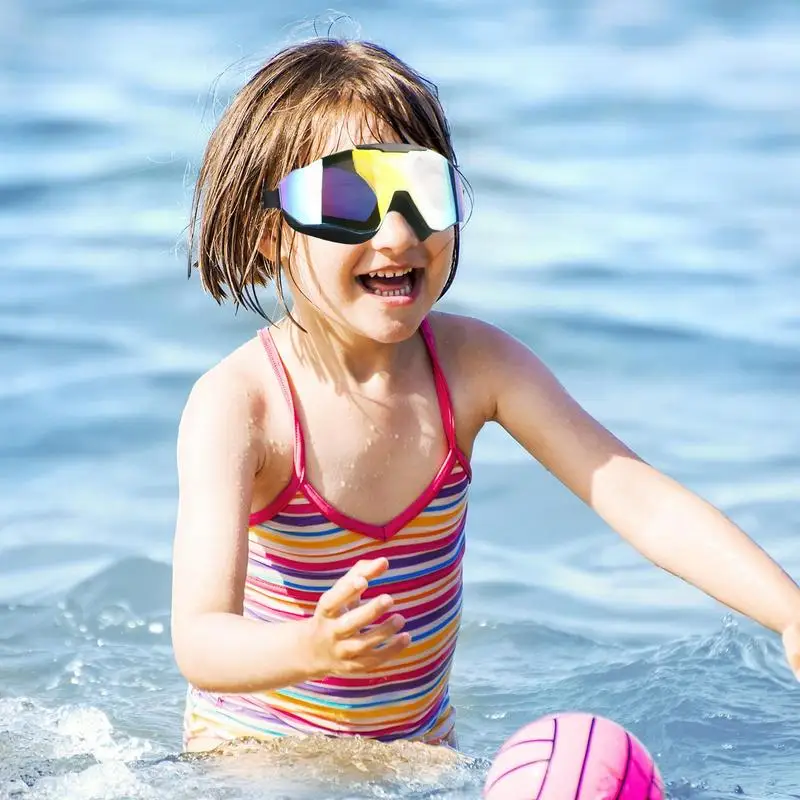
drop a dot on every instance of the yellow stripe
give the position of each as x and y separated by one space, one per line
380 716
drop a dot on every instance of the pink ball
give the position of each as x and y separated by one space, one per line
573 756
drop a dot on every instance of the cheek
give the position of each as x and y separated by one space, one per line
440 247
319 264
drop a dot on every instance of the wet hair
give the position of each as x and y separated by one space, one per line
278 122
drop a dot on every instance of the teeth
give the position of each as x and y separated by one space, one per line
393 293
387 273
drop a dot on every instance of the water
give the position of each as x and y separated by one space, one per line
636 172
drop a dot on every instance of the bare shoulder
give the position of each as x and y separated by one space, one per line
473 343
484 357
228 402
471 351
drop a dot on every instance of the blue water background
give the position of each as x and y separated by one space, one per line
636 167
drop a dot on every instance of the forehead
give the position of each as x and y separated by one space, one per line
353 129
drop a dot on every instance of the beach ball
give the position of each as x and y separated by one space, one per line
573 756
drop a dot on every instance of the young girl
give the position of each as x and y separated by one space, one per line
324 466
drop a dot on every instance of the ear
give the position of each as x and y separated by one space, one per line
268 244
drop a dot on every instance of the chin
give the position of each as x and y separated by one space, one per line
394 328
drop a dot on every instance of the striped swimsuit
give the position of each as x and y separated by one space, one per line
298 547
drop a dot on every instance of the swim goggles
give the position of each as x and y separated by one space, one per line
344 197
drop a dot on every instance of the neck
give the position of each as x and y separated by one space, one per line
338 352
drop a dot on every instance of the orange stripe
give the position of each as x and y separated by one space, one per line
413 598
416 655
427 520
423 520
380 715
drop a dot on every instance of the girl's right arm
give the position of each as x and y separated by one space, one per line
220 450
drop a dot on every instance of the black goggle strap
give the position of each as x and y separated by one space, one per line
270 198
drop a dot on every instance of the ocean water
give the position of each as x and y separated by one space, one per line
636 168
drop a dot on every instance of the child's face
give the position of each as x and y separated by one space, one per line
331 280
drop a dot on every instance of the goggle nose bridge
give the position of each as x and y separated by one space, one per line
407 208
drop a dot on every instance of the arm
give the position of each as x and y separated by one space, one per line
219 452
672 527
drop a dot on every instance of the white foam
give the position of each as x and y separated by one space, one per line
67 731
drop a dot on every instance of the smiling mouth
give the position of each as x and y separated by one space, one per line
391 283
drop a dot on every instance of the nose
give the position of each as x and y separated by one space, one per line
395 234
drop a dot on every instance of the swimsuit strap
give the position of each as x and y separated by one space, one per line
279 368
442 391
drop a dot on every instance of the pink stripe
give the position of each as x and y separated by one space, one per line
425 580
399 586
443 393
429 667
316 504
272 614
311 595
285 382
278 504
362 730
436 602
330 565
316 566
292 502
382 532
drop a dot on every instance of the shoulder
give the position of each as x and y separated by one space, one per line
227 405
479 359
473 342
232 385
488 361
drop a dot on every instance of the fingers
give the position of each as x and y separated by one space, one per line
390 650
363 659
371 568
380 634
341 617
347 590
356 645
353 621
343 593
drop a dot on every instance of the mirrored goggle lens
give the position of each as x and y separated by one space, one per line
355 189
430 180
346 197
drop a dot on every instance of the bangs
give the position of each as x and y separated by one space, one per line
362 119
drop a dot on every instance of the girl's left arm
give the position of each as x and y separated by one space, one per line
668 524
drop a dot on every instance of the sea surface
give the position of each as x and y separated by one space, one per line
636 168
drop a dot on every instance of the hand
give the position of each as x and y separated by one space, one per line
791 644
341 641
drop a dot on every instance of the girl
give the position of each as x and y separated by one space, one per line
324 466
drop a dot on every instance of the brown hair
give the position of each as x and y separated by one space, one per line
273 125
